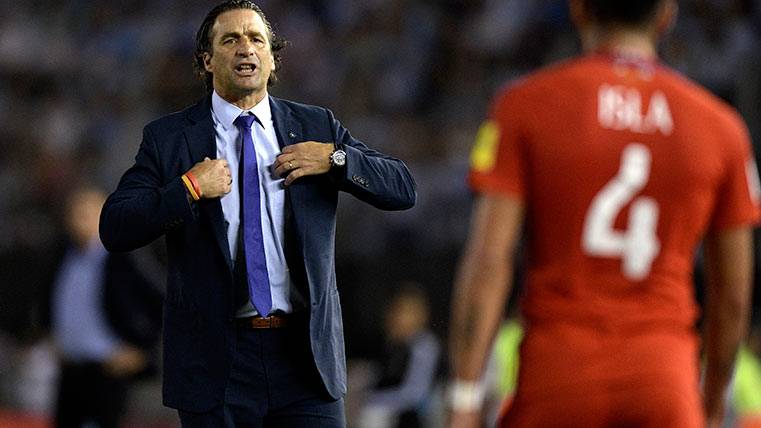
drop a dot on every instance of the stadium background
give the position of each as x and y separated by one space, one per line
413 78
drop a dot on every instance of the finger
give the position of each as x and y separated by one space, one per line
285 165
289 149
281 170
293 176
285 157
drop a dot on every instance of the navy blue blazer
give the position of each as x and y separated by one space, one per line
199 329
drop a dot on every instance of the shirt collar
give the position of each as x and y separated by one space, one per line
226 112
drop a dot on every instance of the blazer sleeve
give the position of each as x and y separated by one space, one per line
380 180
144 205
132 301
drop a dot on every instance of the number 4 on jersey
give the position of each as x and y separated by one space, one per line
638 245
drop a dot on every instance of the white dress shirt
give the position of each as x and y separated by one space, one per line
285 297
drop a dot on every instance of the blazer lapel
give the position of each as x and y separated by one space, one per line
201 141
289 131
287 128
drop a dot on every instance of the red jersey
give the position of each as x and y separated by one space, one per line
623 167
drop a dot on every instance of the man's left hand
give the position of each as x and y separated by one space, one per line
307 158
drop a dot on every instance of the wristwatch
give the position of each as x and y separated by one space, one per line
338 157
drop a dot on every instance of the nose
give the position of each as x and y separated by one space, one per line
245 47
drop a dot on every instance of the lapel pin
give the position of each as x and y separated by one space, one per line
291 134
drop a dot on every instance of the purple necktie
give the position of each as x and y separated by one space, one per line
251 221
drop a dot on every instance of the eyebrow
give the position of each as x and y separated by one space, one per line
238 34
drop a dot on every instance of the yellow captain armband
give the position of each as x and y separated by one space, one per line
483 157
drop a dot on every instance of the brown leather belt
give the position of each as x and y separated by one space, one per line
272 321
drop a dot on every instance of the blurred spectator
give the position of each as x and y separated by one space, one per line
502 370
747 385
105 316
746 393
408 366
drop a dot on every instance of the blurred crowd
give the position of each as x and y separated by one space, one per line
79 79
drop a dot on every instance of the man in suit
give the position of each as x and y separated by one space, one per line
244 187
104 314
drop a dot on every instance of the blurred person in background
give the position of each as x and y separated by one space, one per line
407 367
745 397
104 317
619 167
244 187
500 377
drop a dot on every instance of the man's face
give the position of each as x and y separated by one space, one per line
82 216
240 59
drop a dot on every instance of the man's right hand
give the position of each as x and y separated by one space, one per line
213 176
126 360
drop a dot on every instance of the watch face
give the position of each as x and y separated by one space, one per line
339 158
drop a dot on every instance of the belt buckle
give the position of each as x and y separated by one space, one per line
267 322
276 320
271 321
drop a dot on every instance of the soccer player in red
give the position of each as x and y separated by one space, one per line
617 168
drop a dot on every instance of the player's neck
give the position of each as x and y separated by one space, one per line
623 42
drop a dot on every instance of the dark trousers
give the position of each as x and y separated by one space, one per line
273 383
86 392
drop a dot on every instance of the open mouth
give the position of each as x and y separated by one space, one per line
245 68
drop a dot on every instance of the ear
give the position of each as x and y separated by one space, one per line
207 62
666 18
578 13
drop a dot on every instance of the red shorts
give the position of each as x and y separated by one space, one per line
575 377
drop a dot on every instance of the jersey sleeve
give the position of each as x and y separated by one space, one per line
739 194
497 162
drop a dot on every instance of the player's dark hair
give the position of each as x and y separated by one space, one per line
204 42
627 12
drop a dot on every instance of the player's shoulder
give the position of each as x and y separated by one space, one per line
704 105
175 121
168 121
552 78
